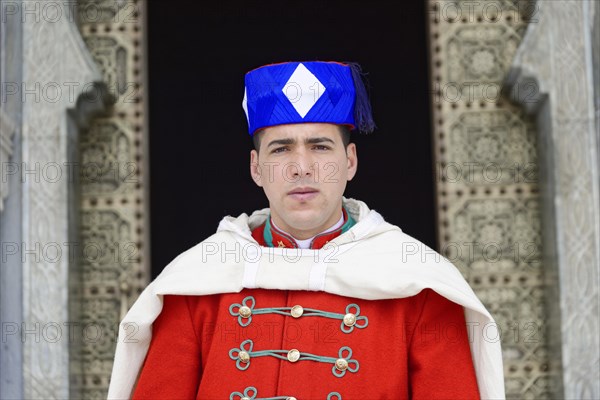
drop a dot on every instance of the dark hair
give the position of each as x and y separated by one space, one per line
344 131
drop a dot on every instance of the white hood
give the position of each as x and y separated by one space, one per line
372 260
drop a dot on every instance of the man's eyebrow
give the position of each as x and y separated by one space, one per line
307 141
318 140
281 141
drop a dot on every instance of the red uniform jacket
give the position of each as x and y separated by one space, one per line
415 347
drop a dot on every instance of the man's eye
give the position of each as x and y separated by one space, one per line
321 147
277 150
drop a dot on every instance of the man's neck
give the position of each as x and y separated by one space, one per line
305 243
299 234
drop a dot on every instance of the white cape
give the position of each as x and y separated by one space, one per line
372 260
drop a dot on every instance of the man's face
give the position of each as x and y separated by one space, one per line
303 169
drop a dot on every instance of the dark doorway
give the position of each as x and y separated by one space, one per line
199 145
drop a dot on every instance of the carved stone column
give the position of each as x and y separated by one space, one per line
486 162
556 58
58 88
11 315
114 193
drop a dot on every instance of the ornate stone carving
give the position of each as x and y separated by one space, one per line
113 184
487 179
556 57
495 147
58 74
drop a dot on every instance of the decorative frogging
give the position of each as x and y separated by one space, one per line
250 393
243 355
349 320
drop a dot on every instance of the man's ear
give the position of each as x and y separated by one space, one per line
352 160
255 168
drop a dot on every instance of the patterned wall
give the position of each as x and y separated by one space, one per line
487 178
114 230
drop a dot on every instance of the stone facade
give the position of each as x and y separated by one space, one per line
487 184
74 202
49 81
516 110
558 58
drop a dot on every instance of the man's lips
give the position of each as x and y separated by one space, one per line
303 193
303 190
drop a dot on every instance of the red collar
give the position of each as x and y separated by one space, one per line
278 238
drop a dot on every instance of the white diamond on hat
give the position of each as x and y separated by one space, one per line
303 89
245 105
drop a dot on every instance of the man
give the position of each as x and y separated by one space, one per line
315 297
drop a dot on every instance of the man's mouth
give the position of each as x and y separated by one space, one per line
303 193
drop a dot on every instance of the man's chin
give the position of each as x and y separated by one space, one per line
292 205
302 218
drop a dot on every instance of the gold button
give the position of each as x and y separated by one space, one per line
293 355
349 319
341 364
297 311
244 356
245 311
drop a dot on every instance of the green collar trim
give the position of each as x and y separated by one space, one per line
268 236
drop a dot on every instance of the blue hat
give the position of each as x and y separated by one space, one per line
315 91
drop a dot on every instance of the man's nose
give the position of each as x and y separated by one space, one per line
303 165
